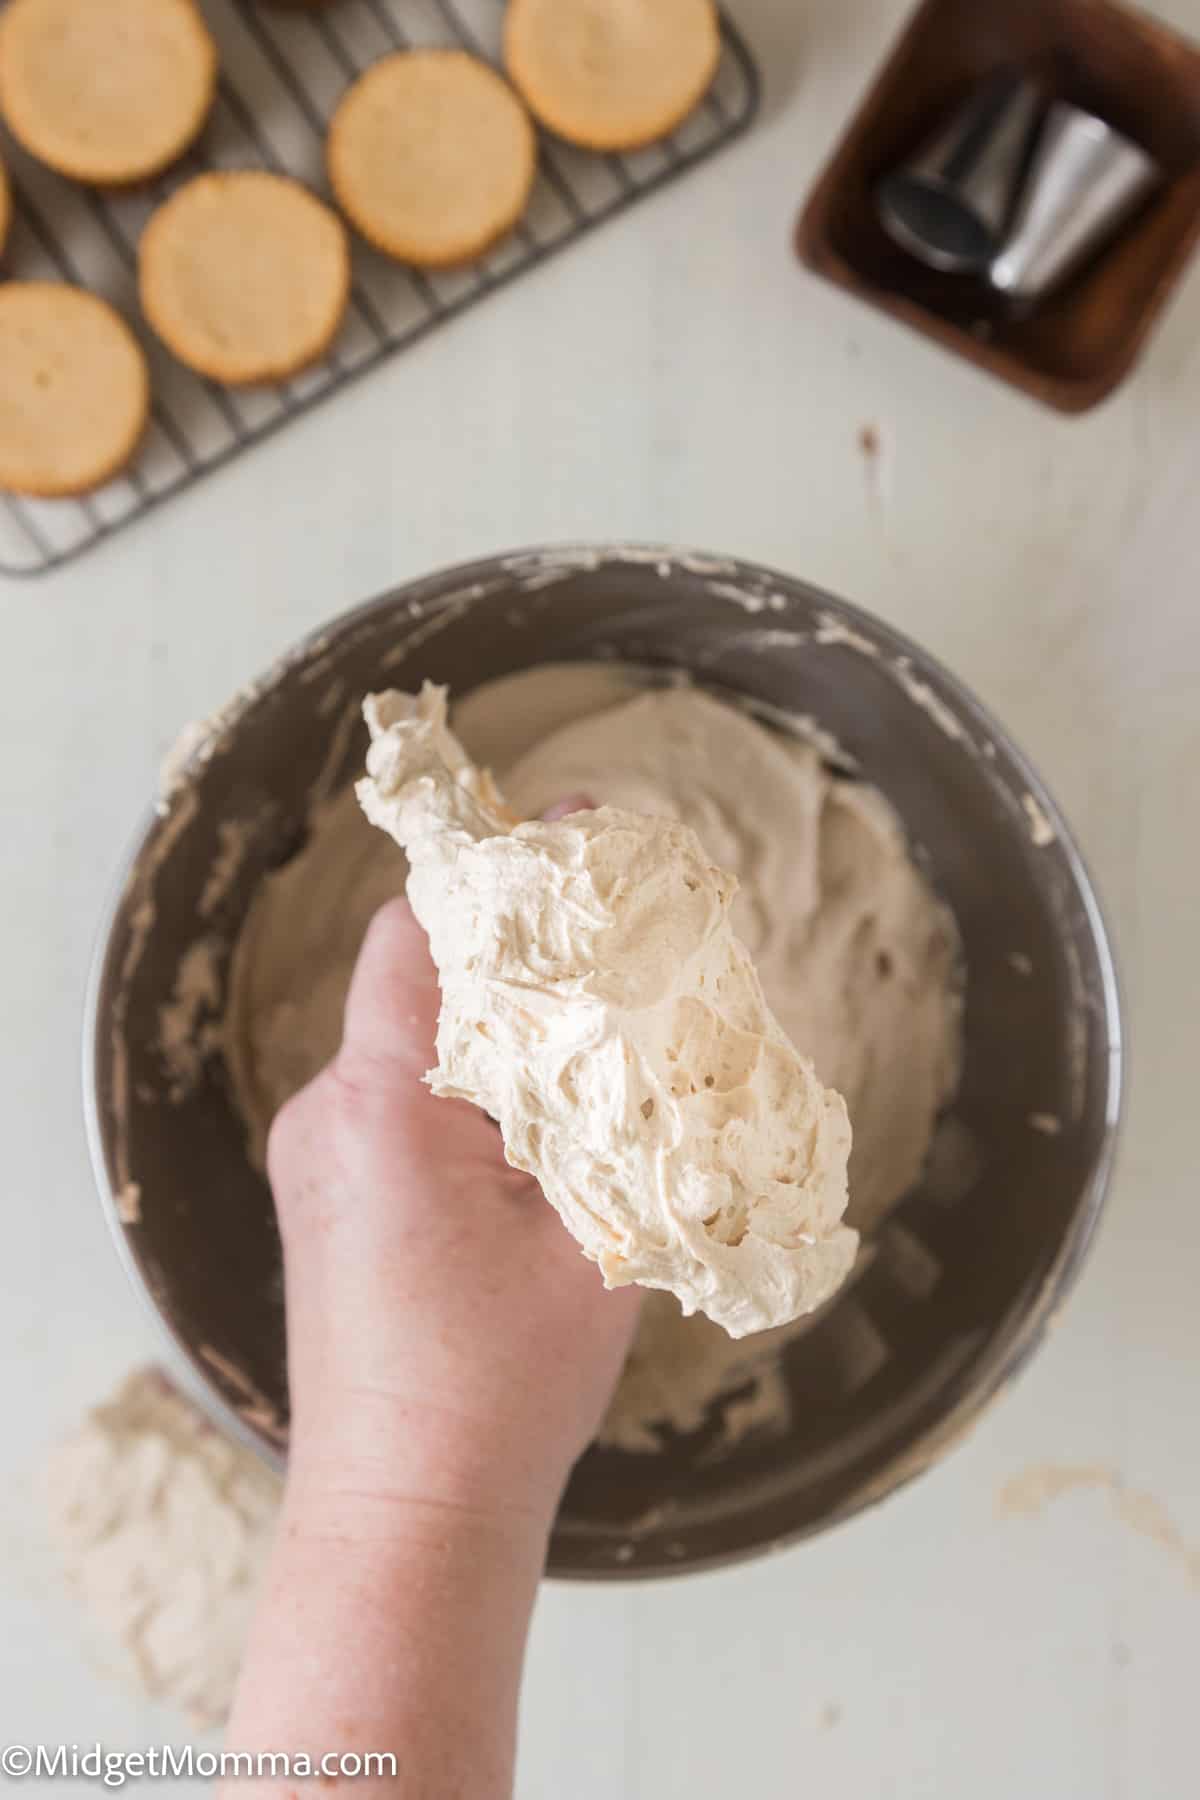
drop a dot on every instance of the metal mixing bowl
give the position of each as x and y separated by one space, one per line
961 1281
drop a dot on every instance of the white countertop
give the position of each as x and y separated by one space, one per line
678 377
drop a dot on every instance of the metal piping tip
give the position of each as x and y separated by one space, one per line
950 205
1085 180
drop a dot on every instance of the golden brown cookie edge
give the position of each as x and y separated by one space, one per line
228 374
547 114
467 250
75 171
106 468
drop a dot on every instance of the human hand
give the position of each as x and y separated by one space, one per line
450 1354
448 1344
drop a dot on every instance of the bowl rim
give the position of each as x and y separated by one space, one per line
969 1392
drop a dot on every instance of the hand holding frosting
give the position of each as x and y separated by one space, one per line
445 1339
450 1354
596 1003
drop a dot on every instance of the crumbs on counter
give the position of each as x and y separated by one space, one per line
1028 1494
129 1204
869 441
162 1526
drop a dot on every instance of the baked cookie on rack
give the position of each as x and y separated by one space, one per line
245 276
432 157
74 390
107 92
612 77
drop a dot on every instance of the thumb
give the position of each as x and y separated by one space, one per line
390 1027
562 809
391 1016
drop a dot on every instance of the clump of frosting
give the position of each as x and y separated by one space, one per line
163 1527
596 1002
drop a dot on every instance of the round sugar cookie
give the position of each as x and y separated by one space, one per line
245 276
74 390
432 157
611 74
106 91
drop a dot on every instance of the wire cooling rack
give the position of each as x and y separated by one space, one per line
283 73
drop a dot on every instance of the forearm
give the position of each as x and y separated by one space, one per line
391 1625
450 1354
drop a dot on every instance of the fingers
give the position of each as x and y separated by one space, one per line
573 803
392 1007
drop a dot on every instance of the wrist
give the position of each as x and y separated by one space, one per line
381 1538
410 1553
365 1463
395 1619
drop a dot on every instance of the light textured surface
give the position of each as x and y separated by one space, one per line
678 377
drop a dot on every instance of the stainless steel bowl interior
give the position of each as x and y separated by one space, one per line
997 1236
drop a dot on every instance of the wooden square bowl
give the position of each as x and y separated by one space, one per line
1074 348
